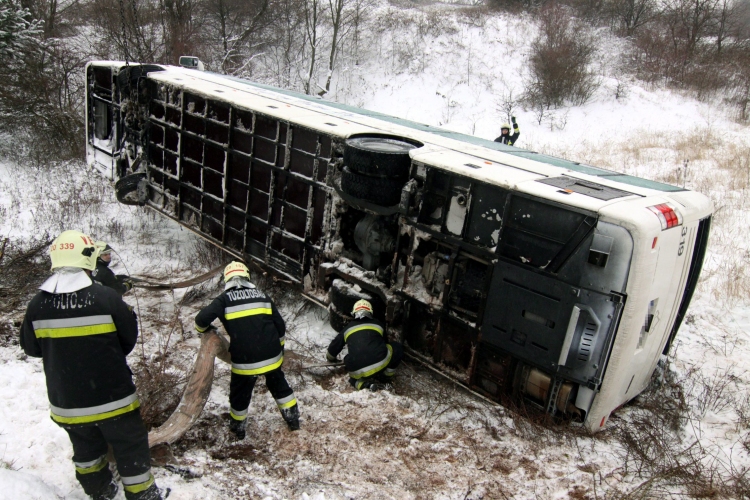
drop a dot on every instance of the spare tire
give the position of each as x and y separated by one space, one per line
126 185
337 320
378 156
381 191
343 297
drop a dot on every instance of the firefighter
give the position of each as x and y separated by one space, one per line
505 137
371 361
83 331
256 332
104 275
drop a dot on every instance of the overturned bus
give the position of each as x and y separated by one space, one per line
524 277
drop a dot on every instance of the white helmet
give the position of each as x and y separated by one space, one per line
236 269
362 307
73 249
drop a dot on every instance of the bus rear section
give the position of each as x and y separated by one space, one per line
529 279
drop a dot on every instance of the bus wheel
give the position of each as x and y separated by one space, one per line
378 156
382 191
337 320
126 185
343 296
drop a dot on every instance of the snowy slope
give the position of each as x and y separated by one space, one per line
428 439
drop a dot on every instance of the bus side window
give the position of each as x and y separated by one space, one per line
102 120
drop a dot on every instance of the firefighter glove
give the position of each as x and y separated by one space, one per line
513 119
331 358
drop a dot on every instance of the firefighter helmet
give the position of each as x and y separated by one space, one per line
73 249
361 306
505 125
235 269
103 248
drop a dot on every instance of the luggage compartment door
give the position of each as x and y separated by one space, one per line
557 327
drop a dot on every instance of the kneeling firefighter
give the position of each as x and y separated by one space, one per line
256 332
371 361
83 331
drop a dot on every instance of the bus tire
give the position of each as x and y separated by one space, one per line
336 319
343 297
126 185
381 191
378 156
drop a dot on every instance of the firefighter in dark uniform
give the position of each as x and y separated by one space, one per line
256 332
83 331
104 275
505 137
371 361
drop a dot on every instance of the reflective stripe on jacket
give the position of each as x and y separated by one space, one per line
255 327
258 368
73 327
94 413
83 338
368 349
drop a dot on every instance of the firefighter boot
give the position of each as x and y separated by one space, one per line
238 428
291 416
107 493
359 384
152 493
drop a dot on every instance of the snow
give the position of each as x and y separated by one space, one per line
428 438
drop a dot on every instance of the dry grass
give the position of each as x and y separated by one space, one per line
654 447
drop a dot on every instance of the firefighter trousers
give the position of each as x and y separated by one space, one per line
384 375
129 440
241 390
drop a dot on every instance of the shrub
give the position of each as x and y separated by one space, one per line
559 62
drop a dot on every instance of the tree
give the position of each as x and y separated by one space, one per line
128 30
728 22
178 29
288 21
312 13
18 31
335 10
236 27
689 21
630 15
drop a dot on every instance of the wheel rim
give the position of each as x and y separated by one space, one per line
382 145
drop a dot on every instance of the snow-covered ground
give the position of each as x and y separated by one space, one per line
427 439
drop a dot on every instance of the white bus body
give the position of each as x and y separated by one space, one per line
527 278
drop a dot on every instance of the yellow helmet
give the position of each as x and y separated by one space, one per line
103 247
505 125
73 249
234 269
362 306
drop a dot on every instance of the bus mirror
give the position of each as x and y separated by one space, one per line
191 62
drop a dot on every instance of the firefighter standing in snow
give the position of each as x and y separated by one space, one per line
83 331
371 361
104 275
256 331
505 137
